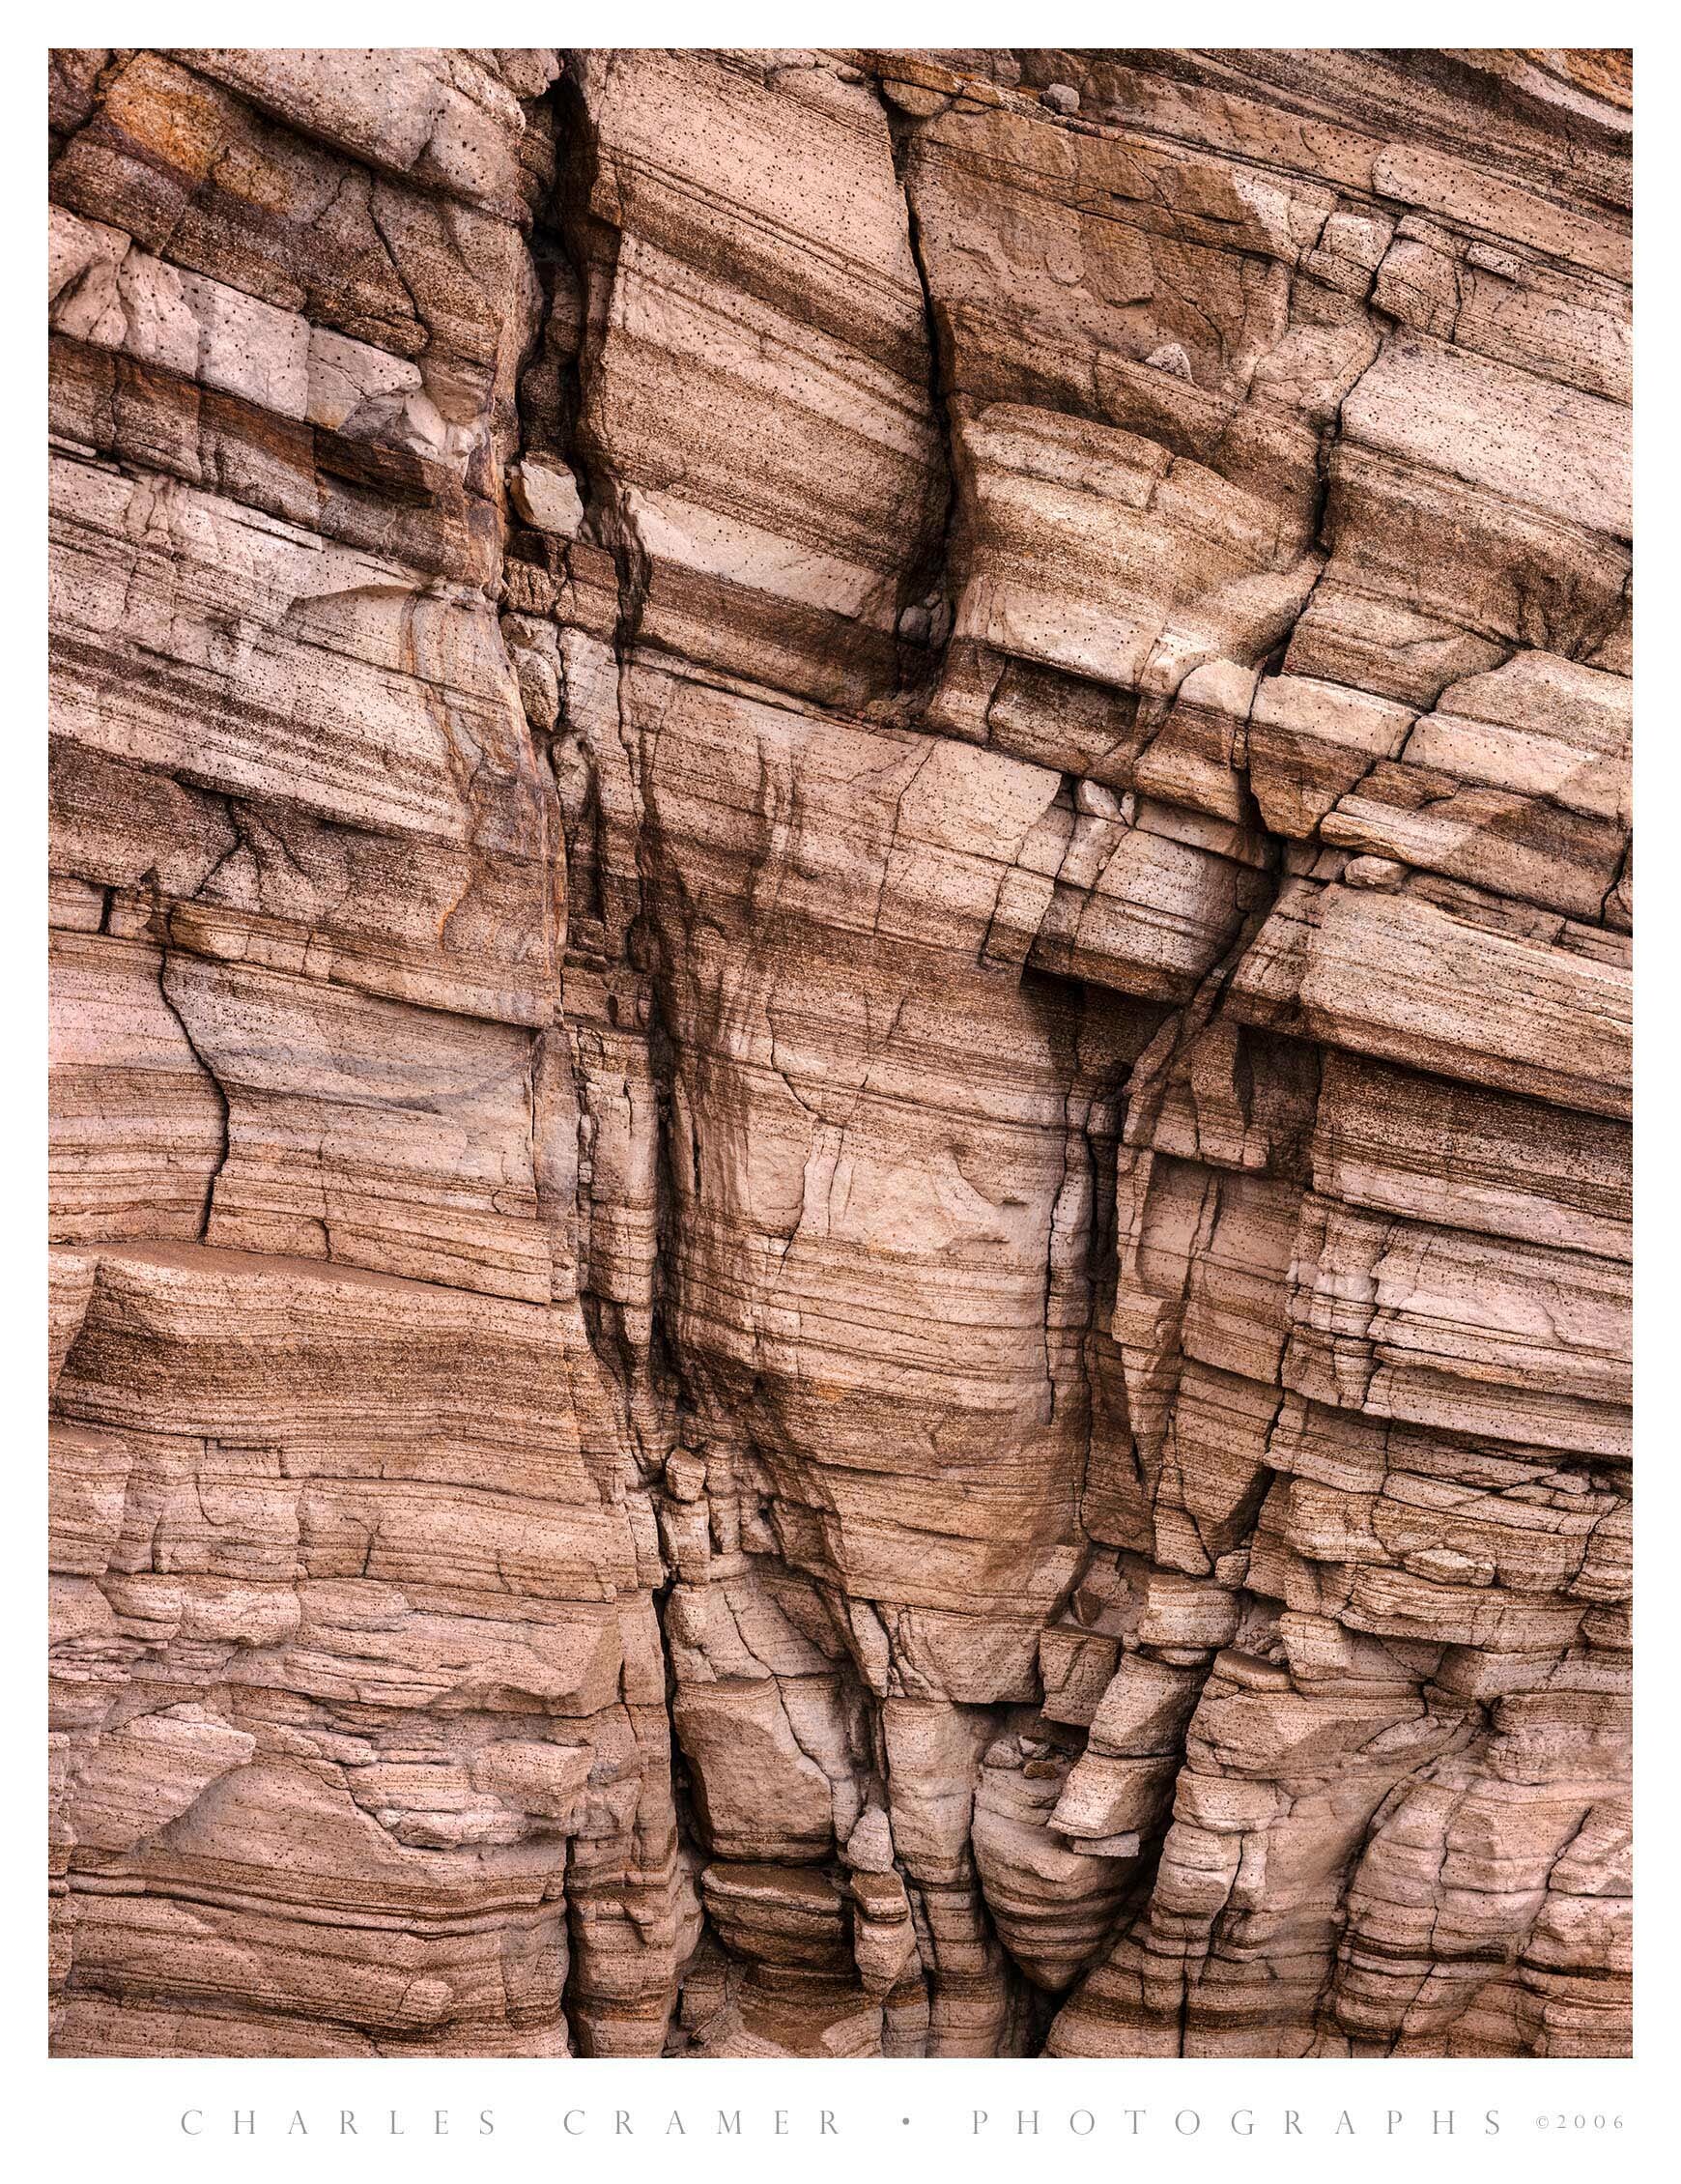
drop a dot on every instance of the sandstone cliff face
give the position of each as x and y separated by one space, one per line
841 975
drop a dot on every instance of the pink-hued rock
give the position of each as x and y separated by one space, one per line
841 912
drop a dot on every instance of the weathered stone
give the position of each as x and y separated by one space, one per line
841 905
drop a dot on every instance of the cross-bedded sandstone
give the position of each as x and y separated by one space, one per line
841 904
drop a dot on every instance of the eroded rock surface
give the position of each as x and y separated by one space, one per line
840 959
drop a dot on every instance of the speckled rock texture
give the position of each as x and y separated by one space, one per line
840 947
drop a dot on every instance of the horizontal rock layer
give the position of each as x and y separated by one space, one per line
840 926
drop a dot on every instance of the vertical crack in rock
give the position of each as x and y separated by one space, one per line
927 615
592 248
220 1157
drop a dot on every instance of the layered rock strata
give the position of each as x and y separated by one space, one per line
840 926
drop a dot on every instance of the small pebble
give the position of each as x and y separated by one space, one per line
1169 357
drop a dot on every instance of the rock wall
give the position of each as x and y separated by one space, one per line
841 957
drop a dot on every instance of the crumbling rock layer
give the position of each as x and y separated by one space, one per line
841 957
